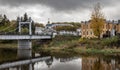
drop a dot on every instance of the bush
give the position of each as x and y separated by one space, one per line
113 41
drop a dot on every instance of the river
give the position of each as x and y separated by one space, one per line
29 60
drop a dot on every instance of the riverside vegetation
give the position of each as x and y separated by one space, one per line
72 44
77 45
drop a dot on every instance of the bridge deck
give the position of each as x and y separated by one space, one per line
23 62
21 37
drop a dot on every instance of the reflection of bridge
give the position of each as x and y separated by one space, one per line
26 60
22 62
24 41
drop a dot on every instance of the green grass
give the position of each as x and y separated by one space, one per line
8 45
63 42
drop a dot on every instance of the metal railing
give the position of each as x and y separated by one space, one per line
16 33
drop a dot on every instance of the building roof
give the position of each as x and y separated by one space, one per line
49 24
58 24
107 21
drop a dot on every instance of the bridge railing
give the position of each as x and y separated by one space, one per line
15 33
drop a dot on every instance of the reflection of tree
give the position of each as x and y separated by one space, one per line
67 59
4 57
98 65
49 62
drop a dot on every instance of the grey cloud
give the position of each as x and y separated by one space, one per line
59 5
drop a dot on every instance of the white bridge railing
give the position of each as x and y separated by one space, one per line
20 37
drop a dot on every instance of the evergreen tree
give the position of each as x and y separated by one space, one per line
5 20
25 17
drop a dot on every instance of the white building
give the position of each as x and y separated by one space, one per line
49 28
39 30
74 33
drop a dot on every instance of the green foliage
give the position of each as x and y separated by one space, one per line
113 41
39 25
100 43
8 27
64 41
65 28
5 21
83 40
25 30
75 26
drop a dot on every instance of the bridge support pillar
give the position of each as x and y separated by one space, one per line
24 44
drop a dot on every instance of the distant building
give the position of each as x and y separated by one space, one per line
39 30
74 33
48 26
110 28
62 32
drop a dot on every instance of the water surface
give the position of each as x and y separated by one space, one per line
28 60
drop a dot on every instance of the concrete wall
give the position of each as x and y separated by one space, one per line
24 44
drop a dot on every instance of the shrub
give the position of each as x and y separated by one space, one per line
113 41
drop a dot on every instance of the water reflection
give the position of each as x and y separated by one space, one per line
25 61
90 63
24 54
56 64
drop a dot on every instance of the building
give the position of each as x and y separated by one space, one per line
110 28
39 30
74 33
52 28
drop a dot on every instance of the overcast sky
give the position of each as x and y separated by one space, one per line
59 10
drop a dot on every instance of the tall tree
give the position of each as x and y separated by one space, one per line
25 17
5 20
97 20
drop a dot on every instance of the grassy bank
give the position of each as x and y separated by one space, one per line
74 45
112 42
8 45
81 51
77 45
59 42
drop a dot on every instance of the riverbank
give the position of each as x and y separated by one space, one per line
8 45
72 44
81 51
77 45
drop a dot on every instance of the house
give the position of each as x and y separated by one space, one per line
52 28
39 30
48 26
110 28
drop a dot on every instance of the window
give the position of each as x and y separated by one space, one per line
91 32
87 32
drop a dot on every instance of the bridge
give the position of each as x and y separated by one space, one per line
24 37
23 62
24 40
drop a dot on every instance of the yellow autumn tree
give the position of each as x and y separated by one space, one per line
97 20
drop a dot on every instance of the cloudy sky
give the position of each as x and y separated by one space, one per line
58 10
